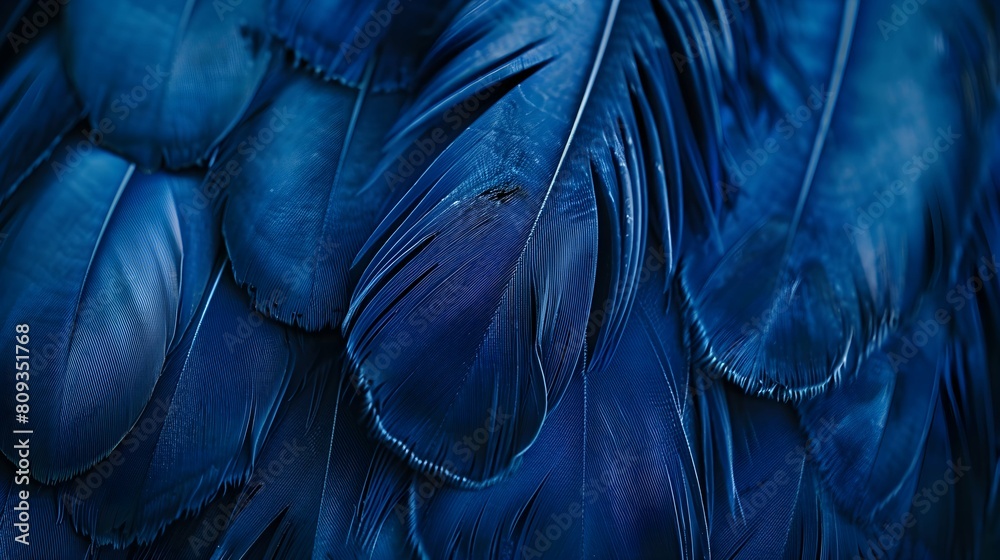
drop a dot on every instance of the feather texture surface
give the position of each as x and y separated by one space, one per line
492 252
37 107
499 279
165 105
308 494
849 201
103 306
297 211
203 428
600 481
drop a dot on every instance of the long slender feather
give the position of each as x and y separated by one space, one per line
489 259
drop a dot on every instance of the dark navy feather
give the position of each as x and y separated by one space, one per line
874 426
560 117
297 210
102 306
37 107
500 279
331 35
185 72
339 39
202 429
10 19
756 473
841 224
44 532
612 474
321 487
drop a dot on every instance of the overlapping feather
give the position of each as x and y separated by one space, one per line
103 306
561 125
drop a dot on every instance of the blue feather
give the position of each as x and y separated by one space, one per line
297 215
202 429
330 34
44 533
838 232
489 259
756 474
301 202
612 474
339 39
10 17
102 305
321 484
873 428
165 103
191 537
527 278
37 107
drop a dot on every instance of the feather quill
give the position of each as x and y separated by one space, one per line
847 219
202 429
102 306
489 259
612 474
